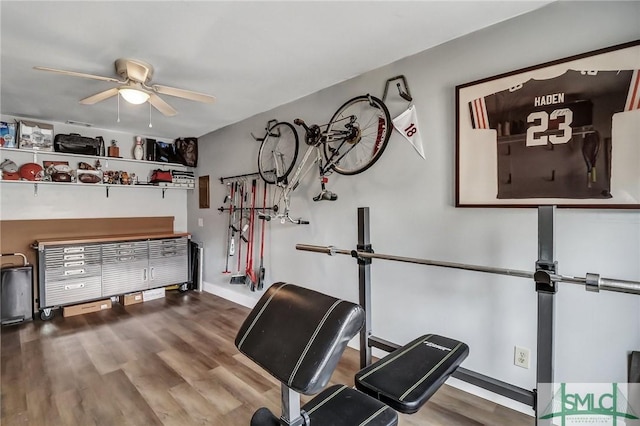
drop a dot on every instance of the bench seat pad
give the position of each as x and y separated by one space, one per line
340 405
406 378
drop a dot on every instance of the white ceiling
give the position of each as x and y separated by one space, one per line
253 56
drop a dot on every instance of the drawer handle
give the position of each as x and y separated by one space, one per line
74 286
73 249
168 253
74 272
73 256
125 246
75 263
124 259
125 252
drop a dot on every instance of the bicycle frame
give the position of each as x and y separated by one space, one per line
315 141
288 186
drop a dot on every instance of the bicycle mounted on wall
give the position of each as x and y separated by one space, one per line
352 141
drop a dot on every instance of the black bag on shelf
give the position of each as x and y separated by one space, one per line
73 143
187 151
166 152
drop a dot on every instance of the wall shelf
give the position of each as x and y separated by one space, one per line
91 185
35 155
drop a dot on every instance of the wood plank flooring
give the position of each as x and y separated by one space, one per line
170 361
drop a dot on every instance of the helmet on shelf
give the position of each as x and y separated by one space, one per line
8 166
31 171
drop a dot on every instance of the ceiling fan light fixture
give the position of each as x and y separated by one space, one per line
134 96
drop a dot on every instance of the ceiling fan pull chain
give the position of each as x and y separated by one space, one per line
118 108
150 125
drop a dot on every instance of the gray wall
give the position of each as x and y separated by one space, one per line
412 214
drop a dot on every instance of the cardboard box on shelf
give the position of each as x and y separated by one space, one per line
156 293
130 299
34 135
85 308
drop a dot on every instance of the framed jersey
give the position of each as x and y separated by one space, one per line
565 132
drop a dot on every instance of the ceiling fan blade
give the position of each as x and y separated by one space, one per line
80 74
99 96
182 93
161 105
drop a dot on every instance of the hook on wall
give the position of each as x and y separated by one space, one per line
270 124
404 94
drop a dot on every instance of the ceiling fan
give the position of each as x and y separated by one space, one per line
135 86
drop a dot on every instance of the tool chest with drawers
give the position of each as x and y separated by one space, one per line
81 270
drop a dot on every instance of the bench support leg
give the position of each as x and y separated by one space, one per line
290 407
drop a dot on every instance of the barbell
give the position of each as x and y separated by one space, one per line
592 282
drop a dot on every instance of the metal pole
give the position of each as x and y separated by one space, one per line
330 250
546 302
597 284
364 280
200 267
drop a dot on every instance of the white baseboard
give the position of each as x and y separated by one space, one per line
247 300
234 295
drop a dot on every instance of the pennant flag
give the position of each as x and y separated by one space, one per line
407 125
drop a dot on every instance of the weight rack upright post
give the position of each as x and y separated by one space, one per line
546 290
364 279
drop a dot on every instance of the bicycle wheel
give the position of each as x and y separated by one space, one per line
278 152
357 135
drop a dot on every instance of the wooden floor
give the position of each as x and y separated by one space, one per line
167 362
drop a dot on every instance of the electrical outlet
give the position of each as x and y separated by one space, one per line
521 357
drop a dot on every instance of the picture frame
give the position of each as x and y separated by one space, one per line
562 133
203 192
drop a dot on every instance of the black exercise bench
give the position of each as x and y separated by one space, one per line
298 335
